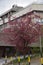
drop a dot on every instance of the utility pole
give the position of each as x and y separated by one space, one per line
41 49
40 45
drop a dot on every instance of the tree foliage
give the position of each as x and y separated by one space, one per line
21 32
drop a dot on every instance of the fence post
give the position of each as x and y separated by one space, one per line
11 59
5 59
29 60
19 60
42 61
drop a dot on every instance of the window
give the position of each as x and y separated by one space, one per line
1 21
42 21
6 20
37 20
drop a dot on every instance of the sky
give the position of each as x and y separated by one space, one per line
7 4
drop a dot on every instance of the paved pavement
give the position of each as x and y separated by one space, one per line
35 61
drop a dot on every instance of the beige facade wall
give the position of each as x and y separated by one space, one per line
37 7
32 7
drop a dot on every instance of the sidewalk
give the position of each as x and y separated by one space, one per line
34 61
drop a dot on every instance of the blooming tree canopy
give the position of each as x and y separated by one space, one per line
21 31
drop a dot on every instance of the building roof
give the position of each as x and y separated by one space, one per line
32 7
2 43
14 8
38 6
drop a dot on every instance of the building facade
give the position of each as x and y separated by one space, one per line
9 15
4 19
35 8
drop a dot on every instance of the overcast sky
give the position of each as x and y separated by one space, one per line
7 4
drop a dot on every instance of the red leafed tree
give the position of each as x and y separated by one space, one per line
21 32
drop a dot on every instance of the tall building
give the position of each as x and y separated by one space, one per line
36 8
